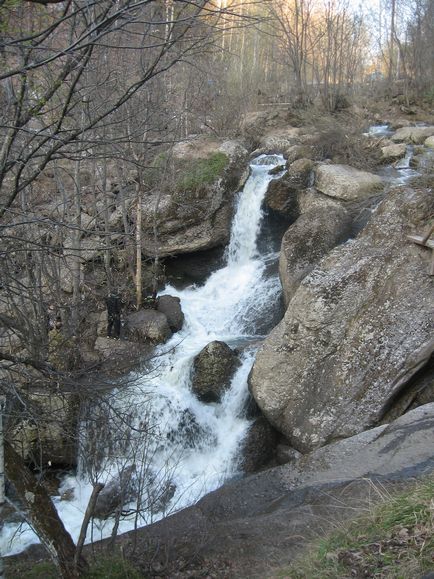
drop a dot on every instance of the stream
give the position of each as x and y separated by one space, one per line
155 433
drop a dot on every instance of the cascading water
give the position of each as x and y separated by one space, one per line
178 448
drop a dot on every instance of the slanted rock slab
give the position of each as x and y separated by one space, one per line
346 183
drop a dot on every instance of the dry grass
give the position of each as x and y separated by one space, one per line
395 540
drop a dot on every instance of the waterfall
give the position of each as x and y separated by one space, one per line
179 448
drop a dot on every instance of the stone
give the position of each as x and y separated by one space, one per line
188 431
416 135
213 369
51 441
357 329
170 306
261 522
148 325
119 491
307 241
278 140
429 142
198 219
392 153
312 199
346 183
286 454
259 445
295 152
159 497
300 173
282 198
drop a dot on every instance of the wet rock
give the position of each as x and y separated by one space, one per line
357 329
160 497
259 445
416 135
308 240
429 142
170 306
148 325
251 409
119 491
188 432
282 198
213 369
286 454
392 153
346 183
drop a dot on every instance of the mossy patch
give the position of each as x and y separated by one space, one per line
201 172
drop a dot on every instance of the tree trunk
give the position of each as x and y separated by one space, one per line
139 248
42 515
2 469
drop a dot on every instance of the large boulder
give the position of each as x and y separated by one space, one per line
416 135
346 183
309 239
281 197
357 329
213 369
195 211
148 325
170 306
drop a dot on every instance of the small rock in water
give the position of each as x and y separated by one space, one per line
213 369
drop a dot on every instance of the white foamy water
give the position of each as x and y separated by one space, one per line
177 447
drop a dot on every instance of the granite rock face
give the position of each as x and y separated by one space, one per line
358 327
194 217
416 135
310 238
346 183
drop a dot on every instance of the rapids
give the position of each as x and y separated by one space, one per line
179 448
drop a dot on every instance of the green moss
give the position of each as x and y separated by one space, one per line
44 570
112 568
202 172
395 540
